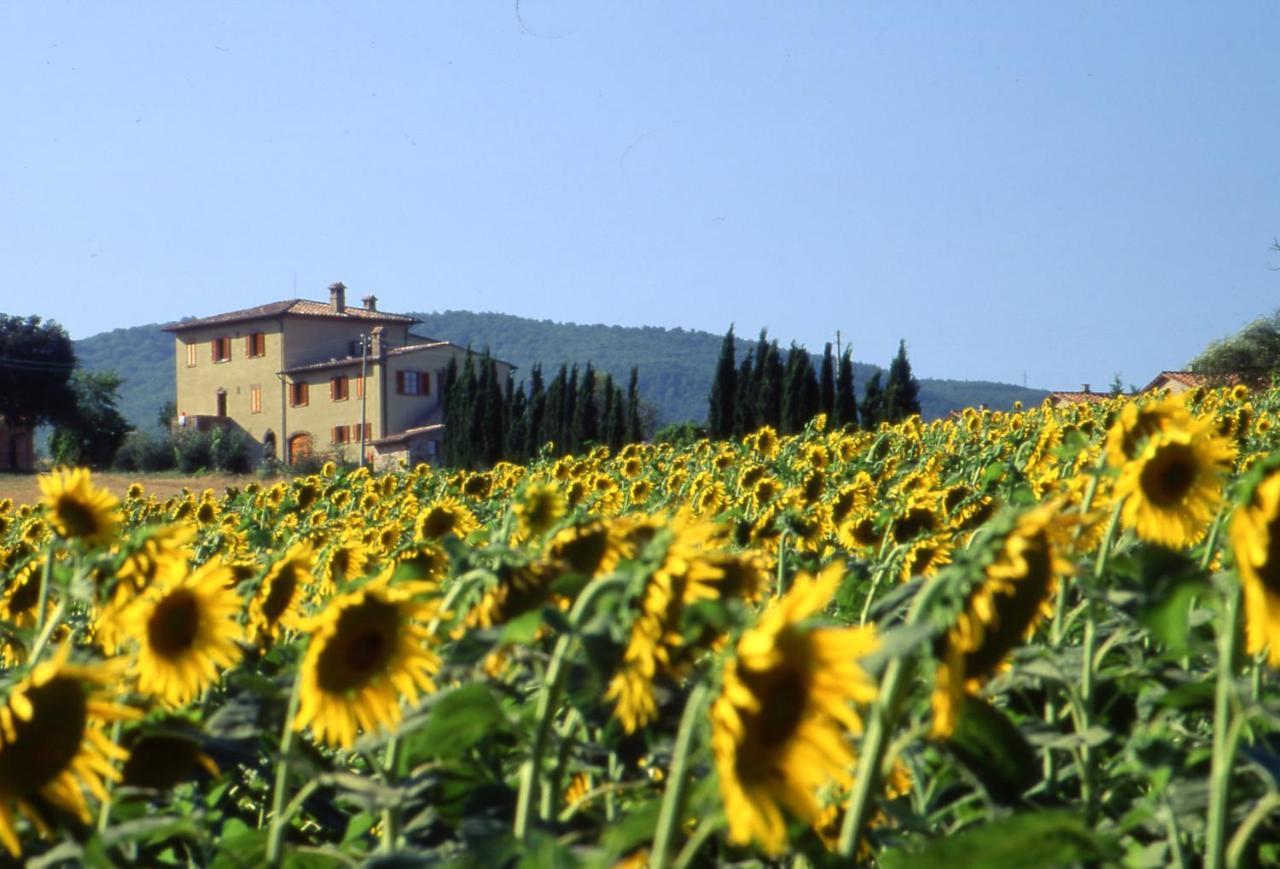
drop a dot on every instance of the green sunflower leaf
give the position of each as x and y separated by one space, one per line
1040 839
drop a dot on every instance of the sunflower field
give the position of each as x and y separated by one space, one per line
1043 637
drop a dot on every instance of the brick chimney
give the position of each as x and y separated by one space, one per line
370 303
338 297
375 346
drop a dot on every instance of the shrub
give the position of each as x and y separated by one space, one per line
144 451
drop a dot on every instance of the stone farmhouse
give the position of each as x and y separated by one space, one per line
307 378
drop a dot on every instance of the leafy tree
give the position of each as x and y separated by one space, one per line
902 390
36 366
846 403
166 414
720 416
827 383
1255 348
93 434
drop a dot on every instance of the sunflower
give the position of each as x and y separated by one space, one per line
588 549
52 748
1255 538
186 631
1137 422
1174 486
445 516
1005 607
780 724
540 507
341 562
367 650
77 509
279 599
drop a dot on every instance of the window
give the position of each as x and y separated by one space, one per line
338 388
191 355
255 344
298 394
359 379
368 431
220 403
342 434
221 349
255 399
413 383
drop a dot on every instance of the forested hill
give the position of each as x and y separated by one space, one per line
676 365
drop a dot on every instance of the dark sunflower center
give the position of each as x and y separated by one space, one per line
865 533
1169 475
159 762
47 743
585 552
1269 572
360 647
438 522
917 520
280 593
76 517
1014 612
172 628
25 596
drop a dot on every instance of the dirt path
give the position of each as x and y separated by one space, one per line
23 488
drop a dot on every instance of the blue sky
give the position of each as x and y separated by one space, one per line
1057 191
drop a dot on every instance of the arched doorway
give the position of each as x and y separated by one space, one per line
299 447
269 445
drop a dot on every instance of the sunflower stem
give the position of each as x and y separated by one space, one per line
782 564
673 796
1212 540
1259 813
879 727
391 814
104 813
1088 664
275 835
1223 745
46 577
548 700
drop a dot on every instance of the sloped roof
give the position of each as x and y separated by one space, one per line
290 307
340 362
1079 397
1192 379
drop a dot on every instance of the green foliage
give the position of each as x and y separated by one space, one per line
36 363
679 434
902 390
145 451
228 449
95 430
720 413
1256 347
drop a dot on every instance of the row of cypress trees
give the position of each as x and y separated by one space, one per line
489 419
786 392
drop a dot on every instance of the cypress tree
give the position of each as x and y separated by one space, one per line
617 421
720 417
873 402
635 433
586 416
744 403
902 391
793 390
537 404
469 432
569 415
769 395
450 399
827 382
846 406
810 392
517 439
553 416
495 422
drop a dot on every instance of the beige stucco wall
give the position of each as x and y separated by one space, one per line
322 413
197 386
410 411
315 340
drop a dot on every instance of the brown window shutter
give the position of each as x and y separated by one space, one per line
333 388
368 431
400 383
425 378
306 393
213 349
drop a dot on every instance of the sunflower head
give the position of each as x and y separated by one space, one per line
278 603
77 509
444 516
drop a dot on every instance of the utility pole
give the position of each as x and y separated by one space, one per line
838 348
364 390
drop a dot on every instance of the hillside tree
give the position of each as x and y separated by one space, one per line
36 366
720 415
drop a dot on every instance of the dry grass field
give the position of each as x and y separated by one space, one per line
23 488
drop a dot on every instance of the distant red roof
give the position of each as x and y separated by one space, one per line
1078 397
290 307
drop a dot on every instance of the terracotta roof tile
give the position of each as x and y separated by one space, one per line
1193 379
293 307
1079 397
